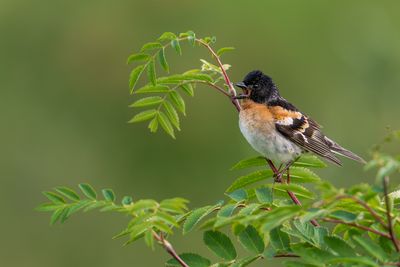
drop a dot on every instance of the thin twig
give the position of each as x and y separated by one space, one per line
287 255
291 194
366 228
367 207
169 248
389 217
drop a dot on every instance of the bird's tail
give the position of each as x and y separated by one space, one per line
337 149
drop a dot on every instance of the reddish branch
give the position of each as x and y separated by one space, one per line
389 217
365 228
169 248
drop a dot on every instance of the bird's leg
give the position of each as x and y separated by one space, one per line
288 176
286 168
277 177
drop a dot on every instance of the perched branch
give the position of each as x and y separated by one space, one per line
389 217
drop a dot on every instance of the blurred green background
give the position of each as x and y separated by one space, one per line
64 107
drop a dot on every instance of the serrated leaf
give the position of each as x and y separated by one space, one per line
165 124
151 46
88 191
53 197
339 246
360 261
178 101
264 195
175 44
148 239
153 125
296 189
227 210
238 195
250 162
166 218
279 240
303 175
167 36
191 259
245 262
224 49
194 218
134 77
67 192
371 247
171 113
251 240
143 204
279 215
108 195
174 205
187 88
153 89
220 244
197 76
151 72
137 57
162 59
147 101
309 161
144 116
250 179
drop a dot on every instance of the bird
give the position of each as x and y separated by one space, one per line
279 131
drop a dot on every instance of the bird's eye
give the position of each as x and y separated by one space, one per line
255 86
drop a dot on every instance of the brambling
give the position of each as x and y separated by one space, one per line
277 129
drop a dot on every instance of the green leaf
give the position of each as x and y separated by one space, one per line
309 161
245 262
147 101
194 218
279 240
165 124
163 60
250 162
238 195
339 246
264 195
296 189
134 77
167 36
178 101
53 197
174 205
227 210
56 216
175 44
251 240
88 191
143 204
151 46
250 179
47 207
108 195
303 175
151 72
197 77
224 49
371 247
344 215
171 113
360 261
188 89
137 57
126 200
165 217
191 259
144 116
278 216
220 244
149 239
389 168
153 125
153 89
67 192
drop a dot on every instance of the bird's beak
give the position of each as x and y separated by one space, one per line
246 91
241 85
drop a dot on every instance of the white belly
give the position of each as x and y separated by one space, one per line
267 141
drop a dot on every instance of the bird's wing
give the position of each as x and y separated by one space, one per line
303 131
